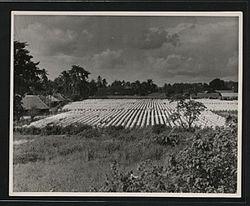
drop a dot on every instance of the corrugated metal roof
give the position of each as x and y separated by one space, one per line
229 94
207 95
225 91
33 101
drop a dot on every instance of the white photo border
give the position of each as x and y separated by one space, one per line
238 14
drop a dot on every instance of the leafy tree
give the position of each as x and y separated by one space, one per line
187 111
99 82
79 84
73 83
92 87
136 86
217 84
28 78
104 83
151 87
18 109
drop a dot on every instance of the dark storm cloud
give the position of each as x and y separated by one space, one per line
154 38
131 48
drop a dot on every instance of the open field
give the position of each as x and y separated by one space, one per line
74 163
78 149
83 161
132 113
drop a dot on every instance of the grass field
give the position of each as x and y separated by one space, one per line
199 160
77 162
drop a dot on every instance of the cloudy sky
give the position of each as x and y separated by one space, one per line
165 49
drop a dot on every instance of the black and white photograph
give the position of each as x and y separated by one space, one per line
126 104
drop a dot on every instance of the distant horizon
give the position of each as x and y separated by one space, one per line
167 82
144 80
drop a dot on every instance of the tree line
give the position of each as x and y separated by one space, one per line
75 84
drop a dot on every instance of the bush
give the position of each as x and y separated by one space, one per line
167 139
209 165
159 128
148 178
28 130
76 128
51 129
27 157
112 147
54 129
89 132
114 131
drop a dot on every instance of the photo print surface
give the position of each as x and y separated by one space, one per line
126 104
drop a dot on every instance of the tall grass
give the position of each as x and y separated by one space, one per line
76 162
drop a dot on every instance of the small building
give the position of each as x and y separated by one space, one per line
208 95
157 95
228 94
60 97
51 101
34 102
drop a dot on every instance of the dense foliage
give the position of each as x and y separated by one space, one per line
208 165
28 78
53 129
73 83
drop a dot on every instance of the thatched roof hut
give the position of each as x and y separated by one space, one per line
30 102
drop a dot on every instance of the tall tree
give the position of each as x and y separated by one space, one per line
73 83
28 78
93 87
217 84
99 82
104 83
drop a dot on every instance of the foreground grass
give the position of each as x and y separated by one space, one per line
106 159
78 162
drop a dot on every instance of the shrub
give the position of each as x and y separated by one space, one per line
27 157
28 130
114 131
113 146
159 128
51 129
149 178
167 139
89 133
76 128
54 129
209 165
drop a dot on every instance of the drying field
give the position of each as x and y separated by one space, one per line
132 113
